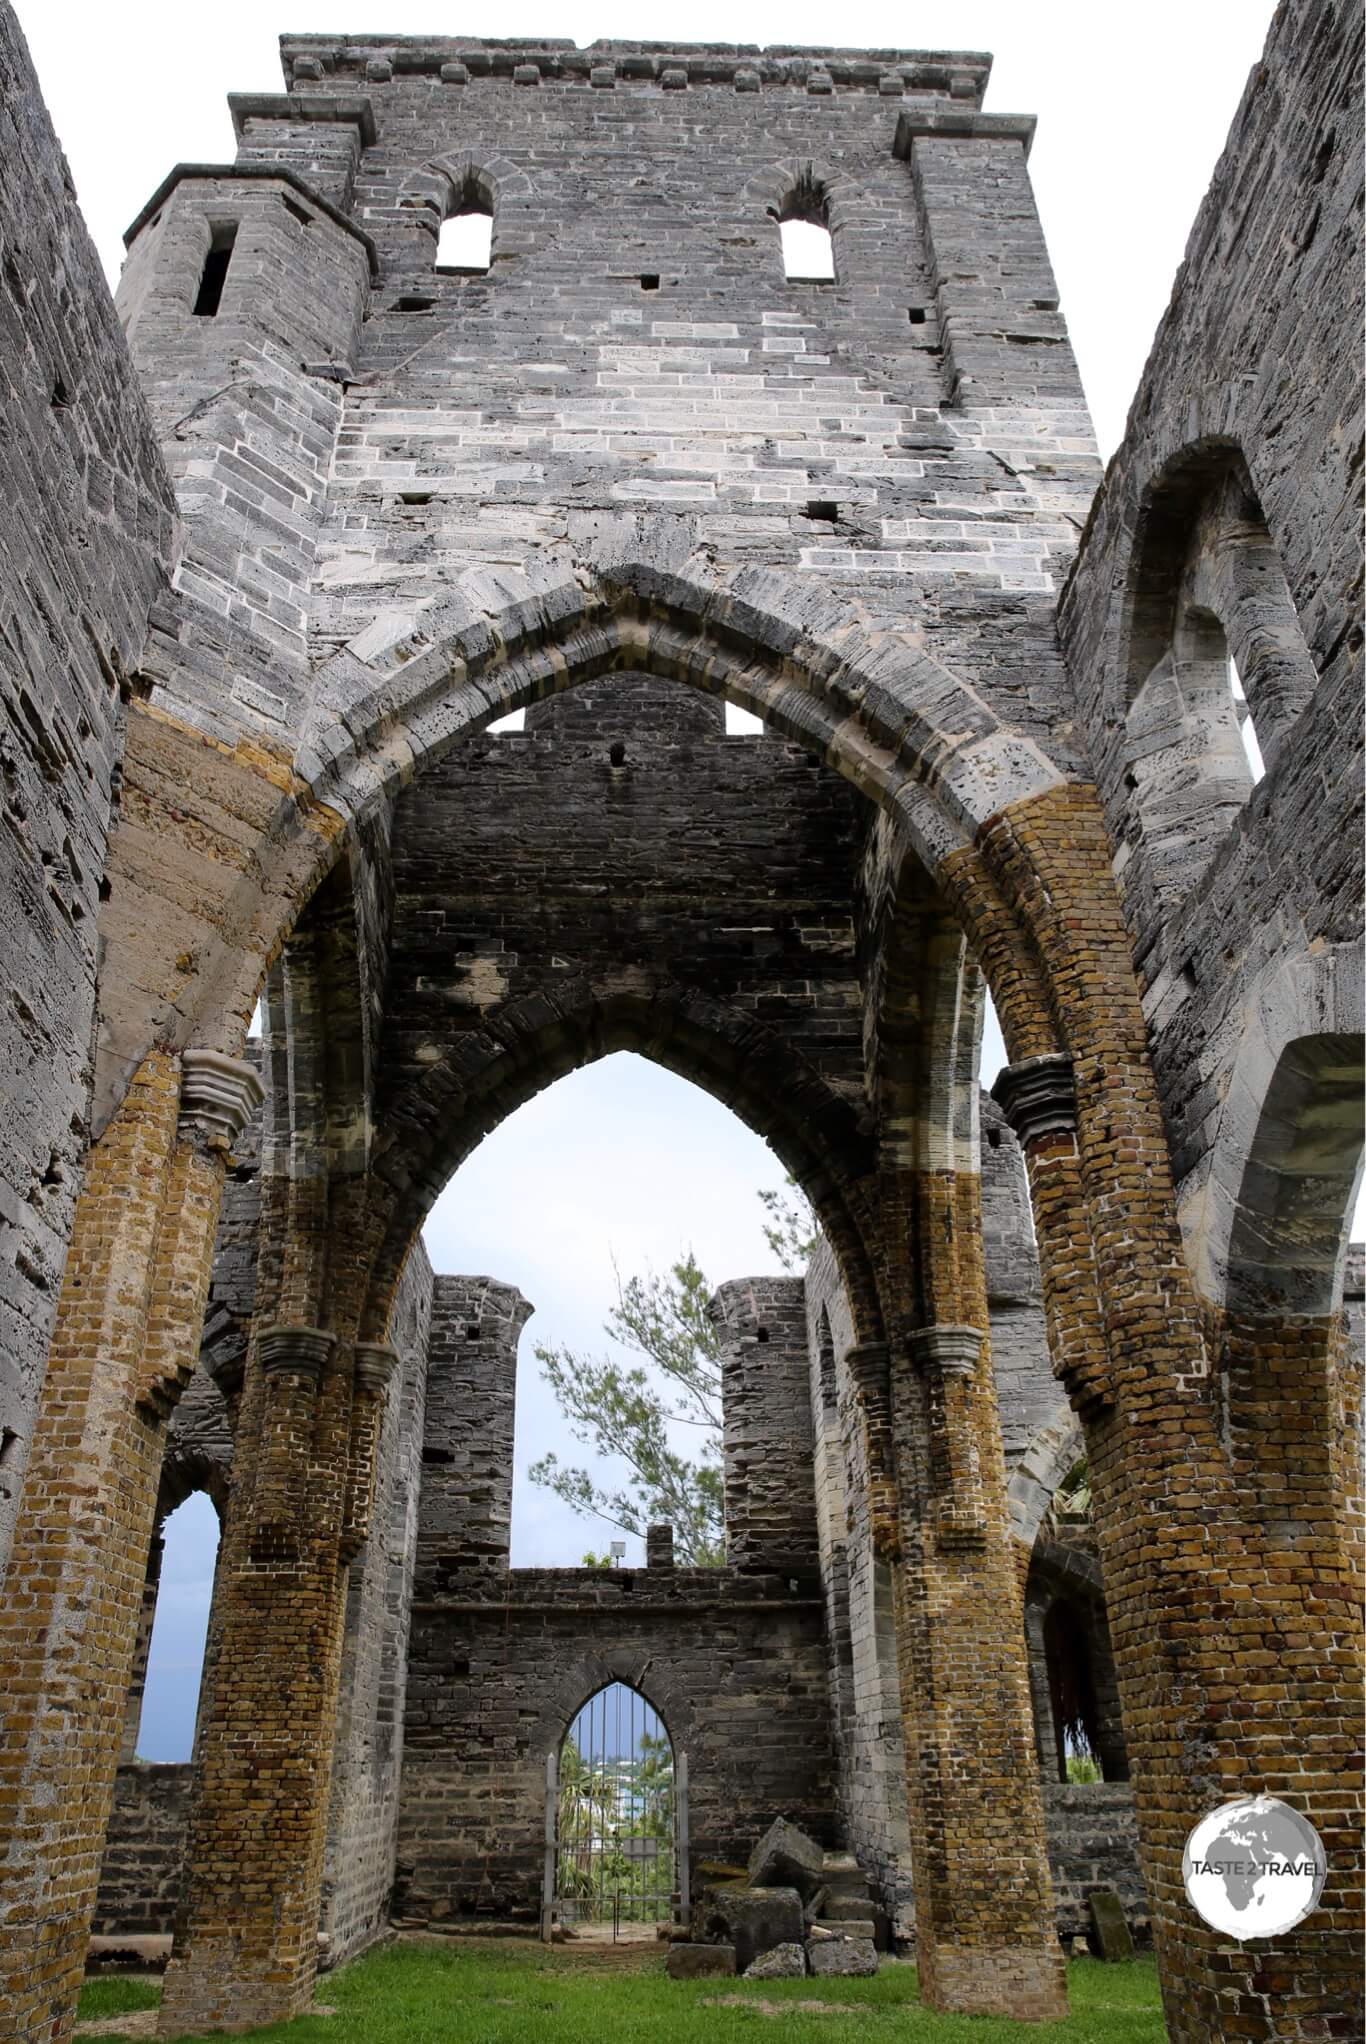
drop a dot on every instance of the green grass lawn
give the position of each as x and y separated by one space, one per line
466 1992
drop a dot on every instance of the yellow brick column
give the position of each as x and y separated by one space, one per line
246 1936
1236 1627
126 1339
986 1938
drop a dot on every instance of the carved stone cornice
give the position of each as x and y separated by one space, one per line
376 1363
1038 1096
218 1095
301 1351
955 1351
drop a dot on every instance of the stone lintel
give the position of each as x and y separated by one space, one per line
954 1350
376 1363
1038 1096
966 123
218 1094
300 1350
250 173
340 109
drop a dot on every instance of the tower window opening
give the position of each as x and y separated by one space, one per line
916 315
808 252
214 273
649 282
465 245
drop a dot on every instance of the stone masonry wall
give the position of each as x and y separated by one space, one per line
144 1852
88 540
1255 939
770 1503
734 1664
465 1522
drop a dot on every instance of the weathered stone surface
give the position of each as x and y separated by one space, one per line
850 1956
781 1962
786 1858
700 1962
1107 1921
754 1920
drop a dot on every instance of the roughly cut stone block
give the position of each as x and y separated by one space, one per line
754 1920
699 1962
783 1962
786 1858
853 1957
847 1927
1107 1920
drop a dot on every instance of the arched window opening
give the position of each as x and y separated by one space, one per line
825 1354
804 230
616 1851
808 251
182 1593
465 245
1071 1690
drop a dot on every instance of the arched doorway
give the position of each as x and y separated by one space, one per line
616 1820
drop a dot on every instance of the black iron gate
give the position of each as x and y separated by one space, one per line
616 1815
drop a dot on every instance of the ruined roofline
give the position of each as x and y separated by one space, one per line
960 75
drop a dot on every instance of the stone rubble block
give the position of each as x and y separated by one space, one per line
786 1857
783 1962
753 1919
700 1962
854 1958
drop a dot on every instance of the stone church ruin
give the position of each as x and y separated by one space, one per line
1060 1427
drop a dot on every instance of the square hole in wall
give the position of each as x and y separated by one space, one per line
916 315
649 282
823 507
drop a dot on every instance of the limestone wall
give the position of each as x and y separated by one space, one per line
1229 523
770 1504
144 1852
733 1663
87 550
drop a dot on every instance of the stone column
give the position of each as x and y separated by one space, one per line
986 1939
247 1932
1236 1629
126 1340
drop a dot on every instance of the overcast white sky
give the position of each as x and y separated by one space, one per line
1133 102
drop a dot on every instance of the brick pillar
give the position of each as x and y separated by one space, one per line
126 1340
246 1935
985 1935
1235 1621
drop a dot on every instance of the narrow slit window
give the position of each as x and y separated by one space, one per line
465 245
1247 730
215 270
808 252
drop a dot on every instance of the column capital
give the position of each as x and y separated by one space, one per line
302 1350
1038 1096
218 1094
956 1350
376 1363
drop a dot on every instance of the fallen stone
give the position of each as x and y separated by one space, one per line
754 1920
1107 1921
847 1927
839 1908
815 1904
1080 1948
854 1957
699 1962
786 1858
784 1962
